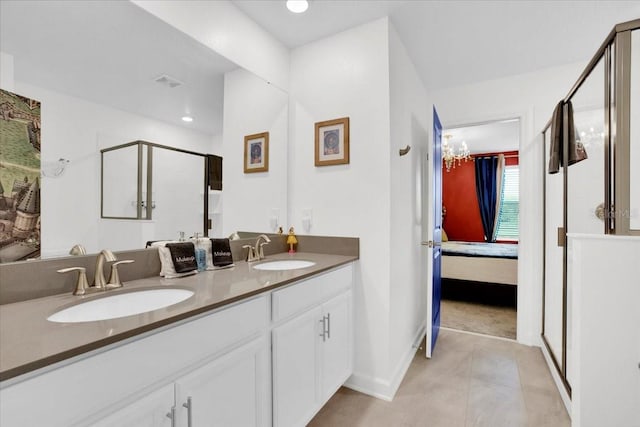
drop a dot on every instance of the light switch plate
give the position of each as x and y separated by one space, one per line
274 219
307 219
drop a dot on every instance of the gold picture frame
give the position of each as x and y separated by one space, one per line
332 142
256 152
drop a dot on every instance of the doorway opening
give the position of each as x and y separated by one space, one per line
480 211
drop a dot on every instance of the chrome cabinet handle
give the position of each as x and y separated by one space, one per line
172 416
329 325
189 407
326 327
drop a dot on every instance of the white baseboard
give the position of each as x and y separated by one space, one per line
556 378
386 389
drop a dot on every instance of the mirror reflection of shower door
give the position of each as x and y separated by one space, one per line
177 195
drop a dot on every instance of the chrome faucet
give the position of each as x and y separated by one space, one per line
114 277
257 250
78 250
99 281
251 253
81 282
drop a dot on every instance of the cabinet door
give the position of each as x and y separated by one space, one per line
229 391
337 345
150 411
295 369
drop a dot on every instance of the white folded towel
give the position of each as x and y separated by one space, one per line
168 270
203 242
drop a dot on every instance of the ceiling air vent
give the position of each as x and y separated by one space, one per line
168 81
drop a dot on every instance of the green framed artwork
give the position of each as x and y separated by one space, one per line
19 177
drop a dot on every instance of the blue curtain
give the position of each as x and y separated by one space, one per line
486 168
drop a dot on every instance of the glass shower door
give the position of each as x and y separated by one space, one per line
586 208
552 326
574 203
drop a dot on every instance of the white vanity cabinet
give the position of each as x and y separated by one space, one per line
149 411
311 345
272 359
218 359
296 362
229 391
337 354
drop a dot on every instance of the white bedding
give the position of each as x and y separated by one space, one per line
480 269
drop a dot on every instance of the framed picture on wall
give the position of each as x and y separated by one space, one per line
332 142
256 152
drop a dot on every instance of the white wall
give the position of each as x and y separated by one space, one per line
410 124
6 71
75 129
252 106
225 29
348 75
531 97
604 271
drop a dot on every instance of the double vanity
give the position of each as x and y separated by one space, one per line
258 344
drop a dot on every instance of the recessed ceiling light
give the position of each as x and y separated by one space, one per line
187 119
297 6
168 81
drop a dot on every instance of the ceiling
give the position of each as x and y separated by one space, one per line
110 52
485 138
458 42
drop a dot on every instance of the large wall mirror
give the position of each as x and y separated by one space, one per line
107 73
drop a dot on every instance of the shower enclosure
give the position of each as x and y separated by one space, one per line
168 188
598 195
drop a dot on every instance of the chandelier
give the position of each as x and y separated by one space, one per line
451 155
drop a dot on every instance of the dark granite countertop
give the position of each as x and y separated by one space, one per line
28 341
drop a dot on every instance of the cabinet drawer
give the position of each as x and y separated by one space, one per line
303 295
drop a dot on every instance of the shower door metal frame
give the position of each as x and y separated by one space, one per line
615 52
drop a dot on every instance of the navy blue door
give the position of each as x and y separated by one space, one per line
437 228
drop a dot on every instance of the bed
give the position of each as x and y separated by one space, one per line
480 262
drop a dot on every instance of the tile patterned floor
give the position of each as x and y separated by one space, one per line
470 381
474 317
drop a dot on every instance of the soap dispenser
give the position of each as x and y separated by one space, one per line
200 251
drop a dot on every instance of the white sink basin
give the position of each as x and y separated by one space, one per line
288 264
120 305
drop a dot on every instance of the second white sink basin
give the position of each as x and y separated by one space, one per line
120 305
287 264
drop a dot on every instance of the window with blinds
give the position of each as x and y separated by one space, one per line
509 205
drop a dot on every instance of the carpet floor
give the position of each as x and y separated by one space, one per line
473 317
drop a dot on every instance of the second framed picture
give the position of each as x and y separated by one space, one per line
332 142
256 152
